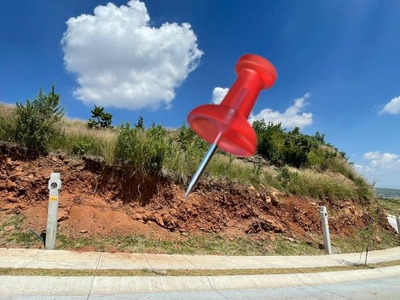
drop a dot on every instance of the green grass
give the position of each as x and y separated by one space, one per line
358 242
215 244
204 244
13 232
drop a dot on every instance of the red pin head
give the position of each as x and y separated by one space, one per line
228 120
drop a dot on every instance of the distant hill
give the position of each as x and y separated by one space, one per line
388 193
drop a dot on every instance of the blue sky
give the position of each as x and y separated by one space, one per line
338 64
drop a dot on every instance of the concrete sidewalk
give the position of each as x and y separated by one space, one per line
102 287
87 287
61 259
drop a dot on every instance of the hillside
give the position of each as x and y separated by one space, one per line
99 202
125 183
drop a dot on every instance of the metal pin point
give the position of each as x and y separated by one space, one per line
203 165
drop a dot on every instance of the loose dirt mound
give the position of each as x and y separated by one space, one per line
97 200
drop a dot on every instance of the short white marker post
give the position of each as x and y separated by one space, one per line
325 228
51 230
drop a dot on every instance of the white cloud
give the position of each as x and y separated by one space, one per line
392 107
219 94
121 61
292 117
373 155
382 160
382 168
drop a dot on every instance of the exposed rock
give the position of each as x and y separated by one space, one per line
10 184
159 220
62 215
138 217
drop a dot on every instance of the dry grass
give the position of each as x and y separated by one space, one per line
6 110
78 127
228 167
79 139
321 185
174 272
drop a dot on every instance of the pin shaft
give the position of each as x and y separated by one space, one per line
206 159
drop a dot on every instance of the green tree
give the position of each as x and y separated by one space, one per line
320 137
36 121
140 123
270 140
284 148
297 146
100 118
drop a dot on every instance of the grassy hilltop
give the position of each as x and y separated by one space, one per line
286 160
123 188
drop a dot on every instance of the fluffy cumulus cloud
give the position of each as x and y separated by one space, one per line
120 60
219 94
382 168
293 116
392 107
382 160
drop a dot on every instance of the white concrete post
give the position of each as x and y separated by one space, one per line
325 228
51 230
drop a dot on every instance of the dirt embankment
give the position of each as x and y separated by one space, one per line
97 200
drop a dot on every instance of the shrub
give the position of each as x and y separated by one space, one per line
270 140
297 147
156 146
285 148
80 147
144 149
36 121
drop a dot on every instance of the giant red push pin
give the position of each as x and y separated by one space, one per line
225 125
